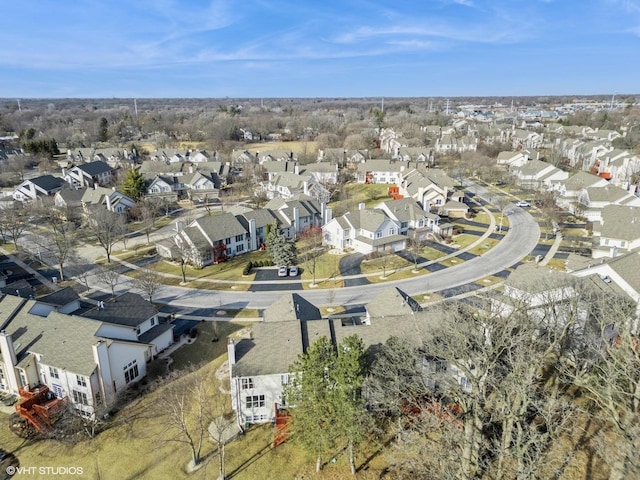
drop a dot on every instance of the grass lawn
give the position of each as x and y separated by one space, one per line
393 263
204 349
464 240
557 264
396 275
431 253
451 262
484 247
327 266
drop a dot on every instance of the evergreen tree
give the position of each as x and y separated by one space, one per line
326 394
133 184
280 250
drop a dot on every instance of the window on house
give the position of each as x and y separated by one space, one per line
138 330
131 371
53 372
239 248
80 397
98 399
420 223
247 383
438 201
239 238
255 401
153 321
378 234
404 224
82 381
392 231
284 379
227 241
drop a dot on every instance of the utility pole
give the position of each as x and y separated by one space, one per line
135 107
382 105
447 109
19 107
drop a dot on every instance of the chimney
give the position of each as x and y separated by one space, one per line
231 351
108 199
179 226
296 169
296 219
8 357
361 206
253 239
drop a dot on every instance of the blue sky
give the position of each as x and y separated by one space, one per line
321 48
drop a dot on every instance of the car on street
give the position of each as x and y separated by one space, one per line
283 271
522 203
293 271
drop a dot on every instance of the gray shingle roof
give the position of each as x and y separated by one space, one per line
60 297
621 222
63 341
392 302
128 309
291 307
94 168
219 227
48 182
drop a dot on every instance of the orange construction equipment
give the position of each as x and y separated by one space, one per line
39 407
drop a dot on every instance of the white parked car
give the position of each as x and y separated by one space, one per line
293 271
522 203
282 271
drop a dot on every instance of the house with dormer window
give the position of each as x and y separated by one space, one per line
365 230
66 357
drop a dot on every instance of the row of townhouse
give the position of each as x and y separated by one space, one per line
90 358
212 239
611 210
260 365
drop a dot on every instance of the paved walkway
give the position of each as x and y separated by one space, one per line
553 250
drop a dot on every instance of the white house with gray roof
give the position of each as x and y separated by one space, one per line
592 200
67 354
538 175
42 186
569 188
365 230
618 231
130 317
414 221
89 174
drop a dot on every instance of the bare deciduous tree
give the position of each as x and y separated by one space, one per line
108 228
111 277
149 281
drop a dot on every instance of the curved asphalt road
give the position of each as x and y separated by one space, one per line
520 240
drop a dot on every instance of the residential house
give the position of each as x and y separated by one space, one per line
68 199
430 187
592 200
66 354
109 198
259 366
256 223
209 240
38 187
391 302
414 222
618 231
200 187
380 171
525 139
415 154
89 175
132 318
366 230
164 186
65 300
299 213
389 141
538 175
454 209
537 289
569 188
512 159
289 184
